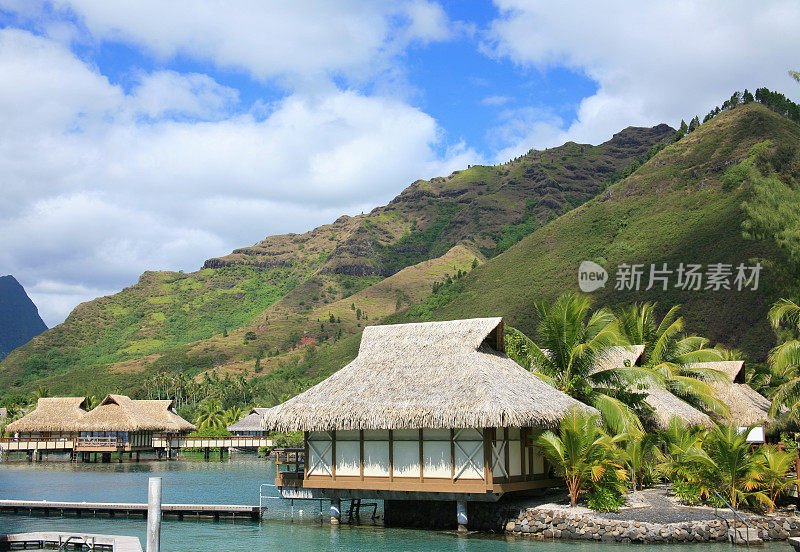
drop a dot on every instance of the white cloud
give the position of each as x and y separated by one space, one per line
655 61
100 184
167 93
296 40
496 100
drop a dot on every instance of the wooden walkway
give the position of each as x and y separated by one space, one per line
56 539
111 509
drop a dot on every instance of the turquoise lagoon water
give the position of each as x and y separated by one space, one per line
236 481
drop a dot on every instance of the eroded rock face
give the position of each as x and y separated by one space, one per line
556 524
471 205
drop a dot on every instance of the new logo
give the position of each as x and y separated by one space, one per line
591 276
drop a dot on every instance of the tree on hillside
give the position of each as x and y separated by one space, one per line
684 128
569 345
672 355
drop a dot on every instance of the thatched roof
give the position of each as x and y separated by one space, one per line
747 406
51 414
251 422
617 356
163 412
426 375
666 406
120 413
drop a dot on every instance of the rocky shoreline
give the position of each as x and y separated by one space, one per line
558 524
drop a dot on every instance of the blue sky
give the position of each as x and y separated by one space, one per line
155 134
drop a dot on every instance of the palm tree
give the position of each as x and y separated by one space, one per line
570 342
776 464
92 401
784 359
732 464
211 415
581 452
640 452
672 355
232 415
683 451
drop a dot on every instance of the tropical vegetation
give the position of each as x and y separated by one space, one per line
717 465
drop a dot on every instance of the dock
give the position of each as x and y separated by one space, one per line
132 509
63 540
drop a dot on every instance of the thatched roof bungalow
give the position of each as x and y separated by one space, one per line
433 408
747 407
117 421
51 415
249 424
663 404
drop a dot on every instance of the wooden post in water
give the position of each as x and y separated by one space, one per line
154 515
461 515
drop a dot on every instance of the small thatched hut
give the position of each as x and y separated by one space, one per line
120 422
435 409
53 418
249 425
747 407
664 405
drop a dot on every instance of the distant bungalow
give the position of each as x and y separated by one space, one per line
431 411
118 424
250 425
746 407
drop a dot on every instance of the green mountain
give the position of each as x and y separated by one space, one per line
272 304
726 193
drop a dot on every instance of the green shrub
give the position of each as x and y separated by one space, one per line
688 493
605 499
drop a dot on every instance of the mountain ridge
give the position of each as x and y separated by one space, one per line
19 317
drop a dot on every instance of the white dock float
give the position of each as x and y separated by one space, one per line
180 511
90 541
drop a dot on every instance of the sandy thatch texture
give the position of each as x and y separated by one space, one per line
618 356
666 406
51 414
251 422
120 413
163 412
747 407
426 375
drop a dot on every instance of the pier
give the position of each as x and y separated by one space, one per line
132 509
63 541
80 447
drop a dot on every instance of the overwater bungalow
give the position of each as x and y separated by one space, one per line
249 425
430 411
53 419
118 424
121 424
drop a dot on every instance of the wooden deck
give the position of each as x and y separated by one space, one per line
111 509
55 539
108 444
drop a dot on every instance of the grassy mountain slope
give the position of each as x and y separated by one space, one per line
277 287
684 205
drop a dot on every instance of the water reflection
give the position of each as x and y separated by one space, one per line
236 481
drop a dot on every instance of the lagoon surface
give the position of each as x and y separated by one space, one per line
236 481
